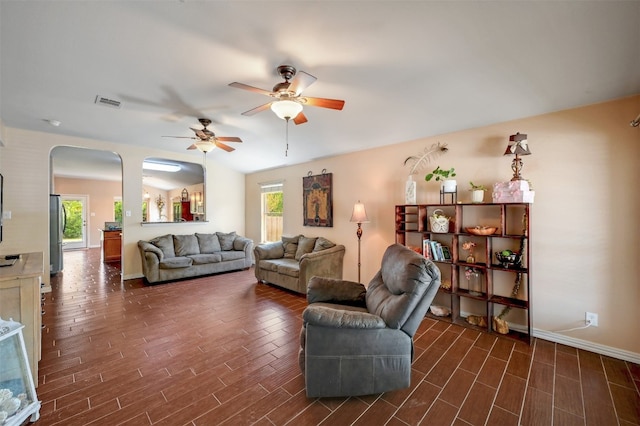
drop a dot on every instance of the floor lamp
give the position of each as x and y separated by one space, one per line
359 216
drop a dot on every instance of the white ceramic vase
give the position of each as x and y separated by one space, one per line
410 191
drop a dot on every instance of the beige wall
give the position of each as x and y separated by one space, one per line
585 232
100 197
24 163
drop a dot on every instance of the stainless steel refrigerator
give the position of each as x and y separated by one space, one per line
57 223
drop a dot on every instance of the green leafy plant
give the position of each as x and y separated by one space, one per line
475 187
440 174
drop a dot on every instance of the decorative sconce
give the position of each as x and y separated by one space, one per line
518 146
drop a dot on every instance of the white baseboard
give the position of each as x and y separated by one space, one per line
588 346
577 343
132 276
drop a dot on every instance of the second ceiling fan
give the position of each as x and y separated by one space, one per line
206 140
288 100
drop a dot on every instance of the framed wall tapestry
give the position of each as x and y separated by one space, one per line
318 200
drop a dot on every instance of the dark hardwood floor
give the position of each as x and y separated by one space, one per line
223 350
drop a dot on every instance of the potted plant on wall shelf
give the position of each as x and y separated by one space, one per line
477 192
438 174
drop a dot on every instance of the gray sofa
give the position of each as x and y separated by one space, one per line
359 341
291 262
172 257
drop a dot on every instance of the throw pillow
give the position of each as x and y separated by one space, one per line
226 240
322 244
185 245
209 243
305 245
290 246
165 243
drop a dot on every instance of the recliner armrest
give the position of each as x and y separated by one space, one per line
321 289
338 318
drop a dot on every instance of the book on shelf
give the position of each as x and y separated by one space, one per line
446 254
426 249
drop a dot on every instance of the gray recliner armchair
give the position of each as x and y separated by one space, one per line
359 341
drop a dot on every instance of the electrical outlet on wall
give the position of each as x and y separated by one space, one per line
591 319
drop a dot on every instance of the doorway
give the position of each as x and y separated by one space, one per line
90 181
75 231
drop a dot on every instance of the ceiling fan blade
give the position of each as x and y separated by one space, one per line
179 137
301 81
223 146
201 134
300 118
228 139
193 146
323 102
257 109
250 88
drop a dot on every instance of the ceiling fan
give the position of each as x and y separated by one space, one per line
206 140
288 101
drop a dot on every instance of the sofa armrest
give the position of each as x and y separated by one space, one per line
146 247
325 263
241 243
338 318
273 250
332 290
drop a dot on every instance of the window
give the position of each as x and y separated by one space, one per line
117 210
272 208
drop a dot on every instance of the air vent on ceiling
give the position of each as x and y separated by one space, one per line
101 100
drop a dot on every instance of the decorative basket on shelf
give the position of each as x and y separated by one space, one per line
482 230
439 222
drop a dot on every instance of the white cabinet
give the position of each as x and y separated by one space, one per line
20 301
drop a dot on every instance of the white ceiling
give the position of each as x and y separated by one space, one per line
406 69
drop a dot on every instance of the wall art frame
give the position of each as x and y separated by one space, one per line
317 195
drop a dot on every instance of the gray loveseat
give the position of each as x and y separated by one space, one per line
291 262
172 257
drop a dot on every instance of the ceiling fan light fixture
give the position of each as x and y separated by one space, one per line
205 146
286 109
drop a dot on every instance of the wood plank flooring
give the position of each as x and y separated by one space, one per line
223 350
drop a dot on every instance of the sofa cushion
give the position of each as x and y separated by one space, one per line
232 255
226 240
290 246
291 268
185 245
208 243
165 243
305 245
203 259
176 262
322 244
268 265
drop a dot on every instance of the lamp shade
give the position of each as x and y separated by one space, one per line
205 146
286 109
359 214
518 145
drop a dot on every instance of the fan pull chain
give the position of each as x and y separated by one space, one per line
286 151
